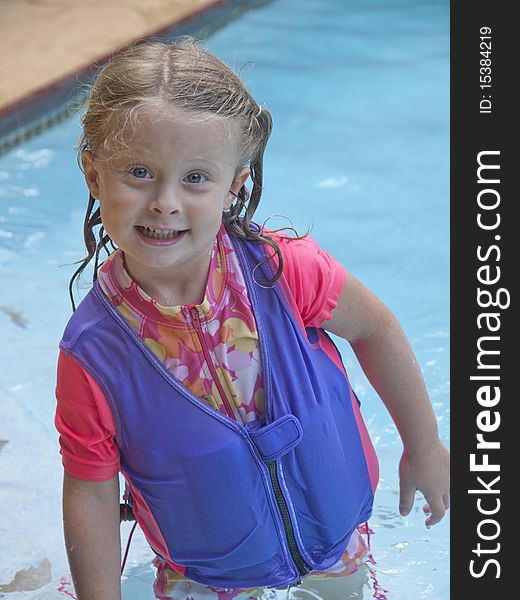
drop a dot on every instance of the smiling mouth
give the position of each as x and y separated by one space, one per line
160 234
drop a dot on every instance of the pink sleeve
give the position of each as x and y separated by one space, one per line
85 423
314 277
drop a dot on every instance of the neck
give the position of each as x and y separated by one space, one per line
185 287
187 292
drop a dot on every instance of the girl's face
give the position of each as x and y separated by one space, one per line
162 200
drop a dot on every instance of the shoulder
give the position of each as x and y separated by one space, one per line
89 313
302 256
310 274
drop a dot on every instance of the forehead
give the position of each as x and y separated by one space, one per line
158 126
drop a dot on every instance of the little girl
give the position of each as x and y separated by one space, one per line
199 364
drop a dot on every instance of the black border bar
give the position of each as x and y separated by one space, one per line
484 534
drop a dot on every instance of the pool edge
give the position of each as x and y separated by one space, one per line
57 100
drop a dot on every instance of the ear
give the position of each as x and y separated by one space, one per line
238 182
91 173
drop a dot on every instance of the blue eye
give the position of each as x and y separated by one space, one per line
195 178
139 172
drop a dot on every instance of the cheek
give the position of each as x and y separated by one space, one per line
119 202
114 213
204 208
107 218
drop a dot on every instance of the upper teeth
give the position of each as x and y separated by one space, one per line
161 231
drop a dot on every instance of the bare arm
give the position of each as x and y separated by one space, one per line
92 538
389 363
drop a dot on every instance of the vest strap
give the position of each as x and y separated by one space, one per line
277 438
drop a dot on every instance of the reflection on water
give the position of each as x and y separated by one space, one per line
387 517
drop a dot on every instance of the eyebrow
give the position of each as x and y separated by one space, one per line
123 160
208 161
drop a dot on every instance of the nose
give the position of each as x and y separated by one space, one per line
166 202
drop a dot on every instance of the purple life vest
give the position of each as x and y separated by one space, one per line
237 506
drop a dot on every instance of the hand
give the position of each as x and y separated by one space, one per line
426 470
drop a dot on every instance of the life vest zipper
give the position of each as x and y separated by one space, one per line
301 565
198 328
298 560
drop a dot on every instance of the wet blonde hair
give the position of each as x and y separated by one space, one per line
185 76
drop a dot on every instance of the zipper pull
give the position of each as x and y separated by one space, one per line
195 318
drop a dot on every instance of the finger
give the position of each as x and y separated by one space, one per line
446 500
426 509
406 498
437 511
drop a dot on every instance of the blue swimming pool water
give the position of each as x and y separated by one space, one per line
359 93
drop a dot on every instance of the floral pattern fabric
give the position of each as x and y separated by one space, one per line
227 335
